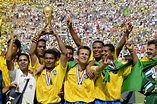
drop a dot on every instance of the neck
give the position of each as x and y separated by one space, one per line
25 72
50 69
81 66
98 59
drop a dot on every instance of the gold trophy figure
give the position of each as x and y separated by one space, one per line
48 16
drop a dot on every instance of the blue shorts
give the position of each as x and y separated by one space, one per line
107 102
66 102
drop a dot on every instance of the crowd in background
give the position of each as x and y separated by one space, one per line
92 20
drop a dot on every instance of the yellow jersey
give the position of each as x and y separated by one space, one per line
4 69
111 91
48 93
5 72
78 87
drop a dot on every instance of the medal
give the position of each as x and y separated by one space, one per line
79 85
48 77
79 77
48 87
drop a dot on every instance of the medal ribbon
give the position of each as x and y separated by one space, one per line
79 78
48 77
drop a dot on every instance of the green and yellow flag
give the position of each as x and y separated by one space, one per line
136 79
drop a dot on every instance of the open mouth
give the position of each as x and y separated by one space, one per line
149 54
23 65
97 53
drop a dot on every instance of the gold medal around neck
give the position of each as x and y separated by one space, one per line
48 87
79 85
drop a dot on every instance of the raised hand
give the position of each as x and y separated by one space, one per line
107 61
13 37
129 46
41 33
128 28
35 39
90 73
53 31
69 21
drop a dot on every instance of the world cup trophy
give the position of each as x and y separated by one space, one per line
48 11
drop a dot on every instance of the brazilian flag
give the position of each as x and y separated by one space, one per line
136 79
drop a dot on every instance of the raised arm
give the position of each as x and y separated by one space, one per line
9 55
32 51
76 39
122 42
62 48
130 47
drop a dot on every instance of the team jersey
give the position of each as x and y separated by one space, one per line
47 89
32 69
78 87
5 74
111 91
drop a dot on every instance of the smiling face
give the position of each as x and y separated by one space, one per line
151 51
69 54
23 63
83 56
97 50
15 49
41 46
107 52
50 61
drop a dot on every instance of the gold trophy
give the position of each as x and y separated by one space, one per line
48 16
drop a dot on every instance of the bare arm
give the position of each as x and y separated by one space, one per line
39 69
102 66
9 55
89 72
134 56
76 39
6 89
32 51
130 47
62 47
122 42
